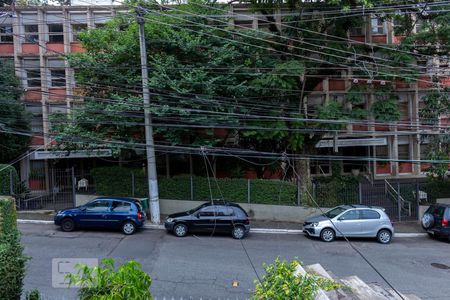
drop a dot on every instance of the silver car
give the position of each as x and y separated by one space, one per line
351 221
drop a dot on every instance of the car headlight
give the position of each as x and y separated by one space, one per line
315 224
169 220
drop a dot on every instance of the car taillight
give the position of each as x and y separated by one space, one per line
444 223
247 221
139 216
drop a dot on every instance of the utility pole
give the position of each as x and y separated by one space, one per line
150 146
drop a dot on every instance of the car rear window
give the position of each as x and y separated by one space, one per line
436 210
120 206
239 212
368 214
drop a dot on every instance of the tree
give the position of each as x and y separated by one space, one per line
13 116
206 74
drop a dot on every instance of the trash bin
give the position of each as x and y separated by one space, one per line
144 203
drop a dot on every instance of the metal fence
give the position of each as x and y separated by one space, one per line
59 187
53 191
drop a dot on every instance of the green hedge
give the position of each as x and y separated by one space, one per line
436 189
117 181
5 174
12 262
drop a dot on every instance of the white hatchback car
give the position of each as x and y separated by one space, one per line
351 221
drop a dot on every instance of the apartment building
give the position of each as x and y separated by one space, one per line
36 37
403 141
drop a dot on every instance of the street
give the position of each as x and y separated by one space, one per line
205 267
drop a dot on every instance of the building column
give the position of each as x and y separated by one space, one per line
326 89
415 139
68 71
43 72
390 31
394 154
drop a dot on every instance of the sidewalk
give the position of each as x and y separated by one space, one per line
402 227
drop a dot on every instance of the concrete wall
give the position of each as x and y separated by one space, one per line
443 200
255 211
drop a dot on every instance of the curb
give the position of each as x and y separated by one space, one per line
253 230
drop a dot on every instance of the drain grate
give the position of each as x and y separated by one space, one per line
440 266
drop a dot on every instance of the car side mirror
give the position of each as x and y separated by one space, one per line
83 208
341 218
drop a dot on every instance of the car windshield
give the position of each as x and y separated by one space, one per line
334 212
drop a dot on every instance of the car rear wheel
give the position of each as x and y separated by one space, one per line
384 236
180 230
128 228
327 235
67 225
238 232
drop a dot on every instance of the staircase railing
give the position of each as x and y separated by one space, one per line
405 206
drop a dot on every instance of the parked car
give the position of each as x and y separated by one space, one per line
351 221
104 212
435 220
216 216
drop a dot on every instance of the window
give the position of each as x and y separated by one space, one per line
356 31
377 26
33 77
224 211
76 29
351 215
36 124
368 214
119 206
55 33
98 206
208 211
334 212
58 78
31 33
6 34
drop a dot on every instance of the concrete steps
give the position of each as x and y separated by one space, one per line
353 287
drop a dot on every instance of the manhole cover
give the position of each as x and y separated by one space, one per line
440 266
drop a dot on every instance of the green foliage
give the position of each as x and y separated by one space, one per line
13 116
355 95
280 282
12 262
33 295
116 181
5 177
386 110
436 188
358 114
337 189
436 103
331 111
105 282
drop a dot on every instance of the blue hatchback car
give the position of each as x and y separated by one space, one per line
104 212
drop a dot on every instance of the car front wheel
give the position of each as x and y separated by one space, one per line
180 230
128 228
384 236
327 235
238 232
67 225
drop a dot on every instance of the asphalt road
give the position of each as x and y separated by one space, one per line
205 267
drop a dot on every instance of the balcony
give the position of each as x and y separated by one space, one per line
7 48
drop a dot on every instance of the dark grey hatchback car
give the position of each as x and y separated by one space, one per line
436 221
215 216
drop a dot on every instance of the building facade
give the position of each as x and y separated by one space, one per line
36 38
